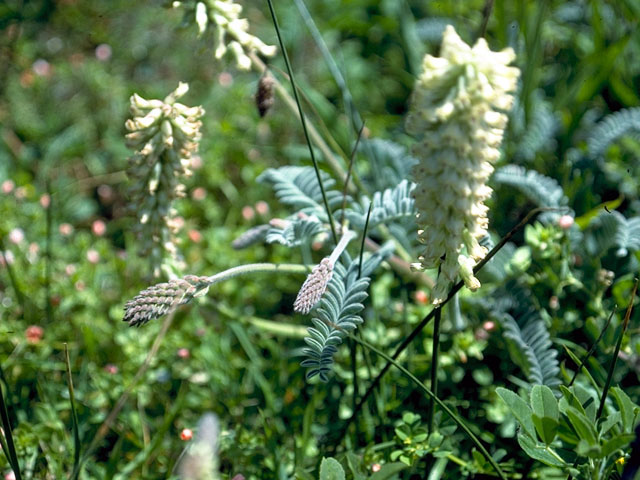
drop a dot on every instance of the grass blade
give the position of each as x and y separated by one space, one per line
74 418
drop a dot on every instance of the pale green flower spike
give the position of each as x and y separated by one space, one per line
164 135
458 114
230 30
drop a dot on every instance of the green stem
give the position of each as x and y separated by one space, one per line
416 331
435 357
612 366
304 122
457 419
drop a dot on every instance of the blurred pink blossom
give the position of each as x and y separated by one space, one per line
41 67
103 52
93 256
16 236
262 207
65 229
565 222
34 334
248 213
8 186
199 194
183 353
98 227
45 200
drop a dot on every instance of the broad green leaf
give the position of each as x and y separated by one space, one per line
610 421
543 402
330 469
569 400
616 443
438 469
520 410
583 426
545 412
628 409
540 452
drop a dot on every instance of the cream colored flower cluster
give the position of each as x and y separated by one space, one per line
458 114
164 134
231 30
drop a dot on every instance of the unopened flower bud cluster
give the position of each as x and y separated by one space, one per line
231 32
458 114
164 134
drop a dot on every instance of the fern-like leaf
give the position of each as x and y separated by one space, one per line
543 191
611 128
338 314
298 187
390 164
531 348
296 232
390 205
612 229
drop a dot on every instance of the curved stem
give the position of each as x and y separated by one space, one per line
303 121
457 419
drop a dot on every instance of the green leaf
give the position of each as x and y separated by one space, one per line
520 410
611 420
583 426
628 409
540 452
569 400
545 412
438 469
330 469
543 402
616 443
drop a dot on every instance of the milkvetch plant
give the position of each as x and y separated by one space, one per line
458 114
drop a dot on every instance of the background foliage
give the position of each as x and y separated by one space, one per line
67 69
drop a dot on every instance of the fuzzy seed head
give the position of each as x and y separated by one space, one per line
314 286
157 300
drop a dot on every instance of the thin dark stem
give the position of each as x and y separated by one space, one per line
364 237
303 121
616 351
6 425
458 420
47 259
416 331
349 170
434 365
593 347
486 13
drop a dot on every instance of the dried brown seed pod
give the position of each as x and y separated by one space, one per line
264 95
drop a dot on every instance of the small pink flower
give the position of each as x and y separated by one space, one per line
16 236
376 467
199 194
8 186
195 236
554 303
45 200
262 207
99 228
489 326
186 434
10 476
103 52
93 256
111 369
34 334
196 162
183 353
65 229
238 477
42 68
105 192
70 269
34 248
225 79
421 297
565 222
80 285
248 213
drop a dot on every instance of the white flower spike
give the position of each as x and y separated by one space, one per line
458 114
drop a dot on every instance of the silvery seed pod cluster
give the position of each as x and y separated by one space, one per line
164 135
231 31
458 114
